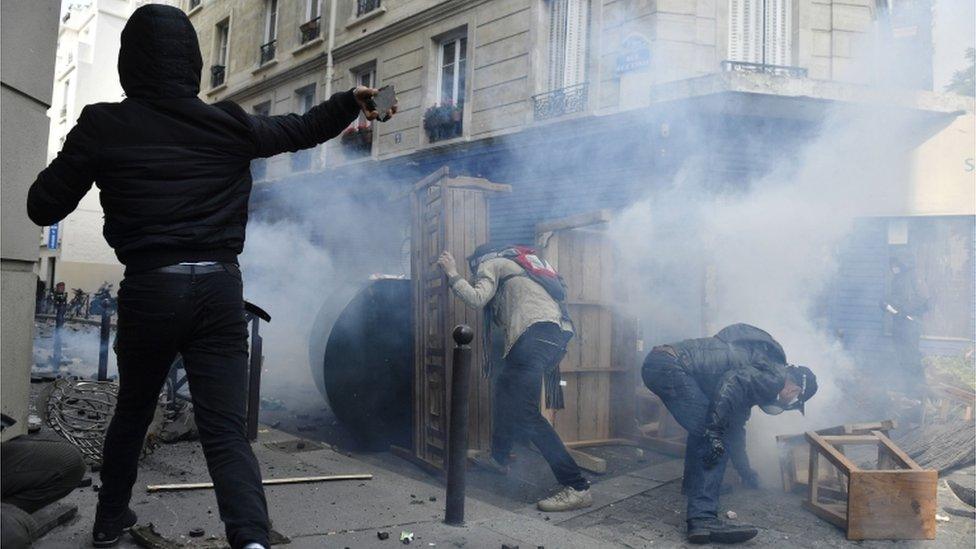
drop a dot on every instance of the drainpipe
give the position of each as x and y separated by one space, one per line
329 65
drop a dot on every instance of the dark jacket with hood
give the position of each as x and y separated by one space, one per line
173 172
739 367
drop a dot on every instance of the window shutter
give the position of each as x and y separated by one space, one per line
753 32
577 15
557 42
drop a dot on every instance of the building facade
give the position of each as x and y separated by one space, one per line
586 104
74 251
29 31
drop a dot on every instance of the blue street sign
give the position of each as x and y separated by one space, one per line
52 237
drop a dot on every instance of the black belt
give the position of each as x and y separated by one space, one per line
197 269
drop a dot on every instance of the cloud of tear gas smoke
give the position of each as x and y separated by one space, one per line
767 254
301 246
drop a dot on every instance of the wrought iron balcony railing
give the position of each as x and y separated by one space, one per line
217 73
267 52
560 102
365 6
310 30
194 3
779 70
64 111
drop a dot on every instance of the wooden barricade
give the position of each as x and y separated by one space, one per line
449 213
600 369
897 500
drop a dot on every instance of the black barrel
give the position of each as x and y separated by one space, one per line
367 367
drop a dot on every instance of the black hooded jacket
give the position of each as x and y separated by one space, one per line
173 172
739 367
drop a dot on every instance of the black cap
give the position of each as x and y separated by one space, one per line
805 378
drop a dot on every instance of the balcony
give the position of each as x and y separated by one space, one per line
778 70
267 52
217 73
444 121
311 30
193 4
568 100
365 6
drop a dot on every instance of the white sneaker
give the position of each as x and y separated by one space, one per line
566 499
254 546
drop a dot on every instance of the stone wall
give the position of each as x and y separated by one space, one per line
29 35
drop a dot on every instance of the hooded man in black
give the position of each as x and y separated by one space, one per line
709 385
174 179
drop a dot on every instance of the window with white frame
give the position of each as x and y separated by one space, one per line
271 21
313 9
223 38
365 77
761 31
451 64
569 30
305 99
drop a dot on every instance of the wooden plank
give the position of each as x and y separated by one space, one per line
574 221
665 446
589 462
601 442
892 505
813 476
896 452
267 482
850 440
838 459
476 183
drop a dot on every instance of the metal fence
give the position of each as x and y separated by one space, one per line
217 73
779 70
311 30
268 52
365 6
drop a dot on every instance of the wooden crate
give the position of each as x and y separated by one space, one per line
794 452
449 213
895 501
600 369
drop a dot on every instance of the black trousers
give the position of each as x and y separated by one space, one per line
200 316
516 397
37 470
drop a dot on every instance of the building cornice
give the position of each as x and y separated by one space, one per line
382 35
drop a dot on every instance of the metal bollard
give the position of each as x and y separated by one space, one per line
103 337
457 443
59 310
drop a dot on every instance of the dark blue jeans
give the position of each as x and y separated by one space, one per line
689 405
200 316
516 400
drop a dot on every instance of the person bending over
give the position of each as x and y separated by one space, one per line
709 385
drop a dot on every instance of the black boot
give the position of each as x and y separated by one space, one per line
107 531
717 531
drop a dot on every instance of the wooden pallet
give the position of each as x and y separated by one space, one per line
897 500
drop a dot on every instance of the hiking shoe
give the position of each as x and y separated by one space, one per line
108 532
485 460
566 499
717 531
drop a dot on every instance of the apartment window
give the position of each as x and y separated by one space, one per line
568 40
451 73
263 108
312 27
304 101
219 68
270 31
760 31
365 6
64 98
